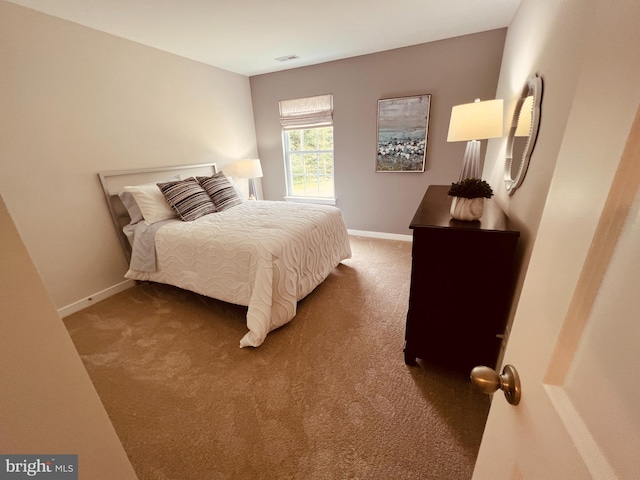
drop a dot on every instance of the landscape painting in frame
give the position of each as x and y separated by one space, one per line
402 133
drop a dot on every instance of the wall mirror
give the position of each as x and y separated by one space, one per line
522 133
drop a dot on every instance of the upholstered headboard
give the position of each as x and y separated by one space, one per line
114 181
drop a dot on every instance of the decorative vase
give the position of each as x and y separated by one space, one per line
468 209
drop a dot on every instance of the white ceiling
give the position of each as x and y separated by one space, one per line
246 36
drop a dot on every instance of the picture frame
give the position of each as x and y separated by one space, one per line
403 124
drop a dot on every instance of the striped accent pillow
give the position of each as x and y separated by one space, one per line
187 198
221 191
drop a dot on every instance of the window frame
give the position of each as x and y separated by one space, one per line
301 114
329 199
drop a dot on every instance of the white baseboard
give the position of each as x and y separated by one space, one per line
95 298
384 236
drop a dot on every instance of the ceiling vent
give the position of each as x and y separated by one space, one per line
286 58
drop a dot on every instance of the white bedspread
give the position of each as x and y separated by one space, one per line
264 255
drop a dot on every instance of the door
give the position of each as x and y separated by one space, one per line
576 340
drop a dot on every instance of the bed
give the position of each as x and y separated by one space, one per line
265 255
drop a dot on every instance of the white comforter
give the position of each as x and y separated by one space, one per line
264 255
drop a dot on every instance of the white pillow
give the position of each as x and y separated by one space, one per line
152 204
235 185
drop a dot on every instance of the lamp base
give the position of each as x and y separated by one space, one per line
253 193
471 161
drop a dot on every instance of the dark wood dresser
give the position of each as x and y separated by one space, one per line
461 284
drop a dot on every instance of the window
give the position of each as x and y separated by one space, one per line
309 162
307 126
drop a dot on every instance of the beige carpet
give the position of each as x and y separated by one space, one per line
327 396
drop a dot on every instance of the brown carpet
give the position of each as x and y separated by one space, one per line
327 396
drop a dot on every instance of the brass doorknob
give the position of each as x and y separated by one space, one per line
489 381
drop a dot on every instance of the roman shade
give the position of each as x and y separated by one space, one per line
308 112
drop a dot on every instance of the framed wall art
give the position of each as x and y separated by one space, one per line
402 133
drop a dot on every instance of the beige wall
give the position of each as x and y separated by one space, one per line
76 101
547 38
453 71
48 403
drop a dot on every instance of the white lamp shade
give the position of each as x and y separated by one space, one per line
476 121
249 169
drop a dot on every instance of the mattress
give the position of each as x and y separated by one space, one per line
264 255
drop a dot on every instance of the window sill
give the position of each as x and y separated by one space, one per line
317 200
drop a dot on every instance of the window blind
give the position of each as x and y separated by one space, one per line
306 112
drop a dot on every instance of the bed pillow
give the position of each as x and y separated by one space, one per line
128 200
221 191
151 202
237 189
187 198
131 205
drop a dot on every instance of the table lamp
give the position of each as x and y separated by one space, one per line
472 122
250 169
